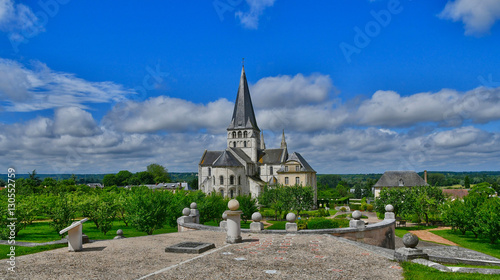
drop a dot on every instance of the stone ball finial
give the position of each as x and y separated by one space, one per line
410 240
224 216
290 217
186 211
356 215
193 205
233 205
256 217
389 208
119 232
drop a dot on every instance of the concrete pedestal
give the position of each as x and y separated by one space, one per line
357 224
233 226
195 215
389 215
74 235
256 226
223 224
407 254
291 227
183 219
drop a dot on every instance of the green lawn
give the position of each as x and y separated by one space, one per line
470 265
470 242
277 224
415 271
43 232
343 216
5 249
242 224
401 231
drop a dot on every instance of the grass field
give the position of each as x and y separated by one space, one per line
5 249
277 224
468 241
415 271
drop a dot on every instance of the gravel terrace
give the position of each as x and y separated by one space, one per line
260 256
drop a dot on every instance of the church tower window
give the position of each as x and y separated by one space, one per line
221 179
234 144
232 193
231 180
234 134
245 144
209 171
245 134
239 134
239 180
271 170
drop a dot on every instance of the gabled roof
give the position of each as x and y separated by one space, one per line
209 157
242 155
226 159
297 157
243 114
271 156
400 179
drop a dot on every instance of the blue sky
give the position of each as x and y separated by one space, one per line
359 86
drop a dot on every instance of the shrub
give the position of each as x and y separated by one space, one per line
302 224
355 206
363 206
322 213
268 213
321 223
369 207
342 209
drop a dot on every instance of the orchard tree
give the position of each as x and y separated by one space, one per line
248 206
489 219
147 209
160 173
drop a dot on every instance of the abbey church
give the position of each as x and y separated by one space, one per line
245 166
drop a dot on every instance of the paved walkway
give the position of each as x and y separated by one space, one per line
260 256
426 235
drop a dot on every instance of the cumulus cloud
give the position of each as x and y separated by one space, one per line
18 20
169 114
446 107
37 88
478 16
250 19
75 122
291 91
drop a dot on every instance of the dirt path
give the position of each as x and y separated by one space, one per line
426 235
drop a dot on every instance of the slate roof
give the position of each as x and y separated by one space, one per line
298 157
243 114
400 179
241 154
226 159
209 157
271 156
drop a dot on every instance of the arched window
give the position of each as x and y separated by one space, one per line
209 171
245 134
214 180
232 193
271 170
245 144
221 179
239 134
234 134
234 144
222 192
239 180
231 180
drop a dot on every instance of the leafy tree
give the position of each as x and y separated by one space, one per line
329 180
343 188
193 183
278 198
489 219
122 177
133 181
160 173
367 191
212 208
358 192
105 212
145 177
109 180
302 198
396 197
248 206
147 209
49 182
2 183
62 212
455 214
426 201
496 187
26 208
436 179
467 182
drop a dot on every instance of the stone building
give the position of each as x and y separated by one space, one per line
246 165
397 179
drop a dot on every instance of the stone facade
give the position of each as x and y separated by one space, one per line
246 166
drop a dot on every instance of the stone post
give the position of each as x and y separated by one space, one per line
410 251
74 235
256 226
389 212
291 226
223 223
195 213
233 222
356 222
184 219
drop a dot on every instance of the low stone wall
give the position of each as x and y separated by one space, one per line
380 234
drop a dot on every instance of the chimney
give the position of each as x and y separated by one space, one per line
425 176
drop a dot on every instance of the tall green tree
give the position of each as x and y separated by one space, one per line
248 206
467 182
159 172
147 209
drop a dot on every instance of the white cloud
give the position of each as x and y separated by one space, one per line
250 19
169 114
290 91
24 89
19 20
75 122
478 16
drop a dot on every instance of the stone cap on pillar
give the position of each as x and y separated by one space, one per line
73 225
233 213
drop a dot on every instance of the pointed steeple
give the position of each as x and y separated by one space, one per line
283 142
243 114
262 144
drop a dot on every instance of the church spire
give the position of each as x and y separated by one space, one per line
283 142
262 144
243 114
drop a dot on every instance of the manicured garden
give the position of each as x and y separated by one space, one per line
415 271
